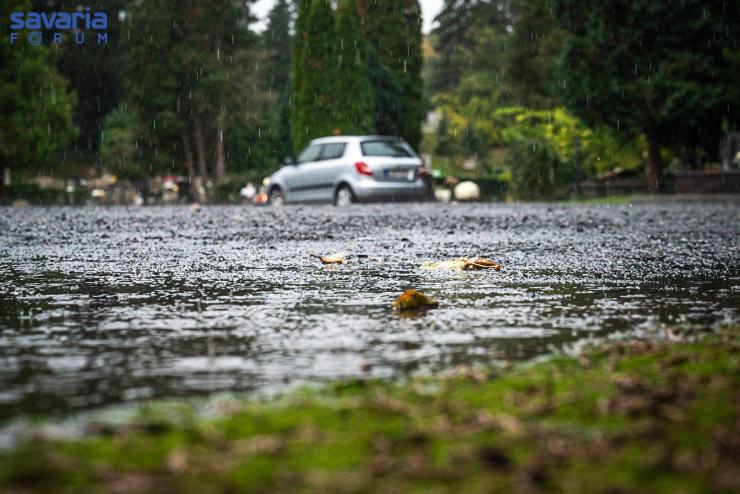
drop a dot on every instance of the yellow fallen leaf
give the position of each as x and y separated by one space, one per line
461 264
337 258
483 263
411 300
449 265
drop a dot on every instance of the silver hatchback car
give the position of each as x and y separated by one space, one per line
347 169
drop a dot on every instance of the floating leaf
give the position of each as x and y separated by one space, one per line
461 264
483 263
337 258
413 300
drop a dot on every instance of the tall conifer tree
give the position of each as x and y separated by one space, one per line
394 30
299 68
354 101
277 48
315 77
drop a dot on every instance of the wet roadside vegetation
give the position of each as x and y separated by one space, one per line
658 414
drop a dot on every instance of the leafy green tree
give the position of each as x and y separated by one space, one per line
505 49
224 49
449 37
485 79
537 170
530 55
732 55
547 151
156 81
647 67
469 50
276 42
189 79
35 101
119 146
354 101
496 134
445 143
93 70
471 143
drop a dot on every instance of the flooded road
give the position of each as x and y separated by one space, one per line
102 306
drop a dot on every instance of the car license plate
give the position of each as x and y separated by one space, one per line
400 174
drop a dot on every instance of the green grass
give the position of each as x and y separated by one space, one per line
627 417
619 200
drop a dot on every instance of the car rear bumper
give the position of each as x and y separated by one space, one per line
370 191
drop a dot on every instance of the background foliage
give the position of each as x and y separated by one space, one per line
36 102
622 85
520 88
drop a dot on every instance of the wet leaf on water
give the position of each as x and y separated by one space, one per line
414 300
337 258
461 264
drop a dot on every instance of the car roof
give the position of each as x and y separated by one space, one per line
330 139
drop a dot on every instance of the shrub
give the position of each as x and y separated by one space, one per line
537 172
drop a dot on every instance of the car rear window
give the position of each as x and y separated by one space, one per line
393 149
333 151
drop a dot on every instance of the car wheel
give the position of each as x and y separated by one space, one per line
343 197
277 198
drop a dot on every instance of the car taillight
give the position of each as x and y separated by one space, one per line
363 169
422 169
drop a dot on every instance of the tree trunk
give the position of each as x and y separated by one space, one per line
190 166
200 151
654 166
220 168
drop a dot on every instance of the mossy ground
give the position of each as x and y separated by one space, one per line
627 417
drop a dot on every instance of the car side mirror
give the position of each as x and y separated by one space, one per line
289 161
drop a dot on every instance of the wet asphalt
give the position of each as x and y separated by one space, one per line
108 305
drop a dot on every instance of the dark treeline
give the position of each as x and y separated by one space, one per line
542 94
549 92
190 88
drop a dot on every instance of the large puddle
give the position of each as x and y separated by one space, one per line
102 306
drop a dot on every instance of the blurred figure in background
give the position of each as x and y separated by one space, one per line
248 192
